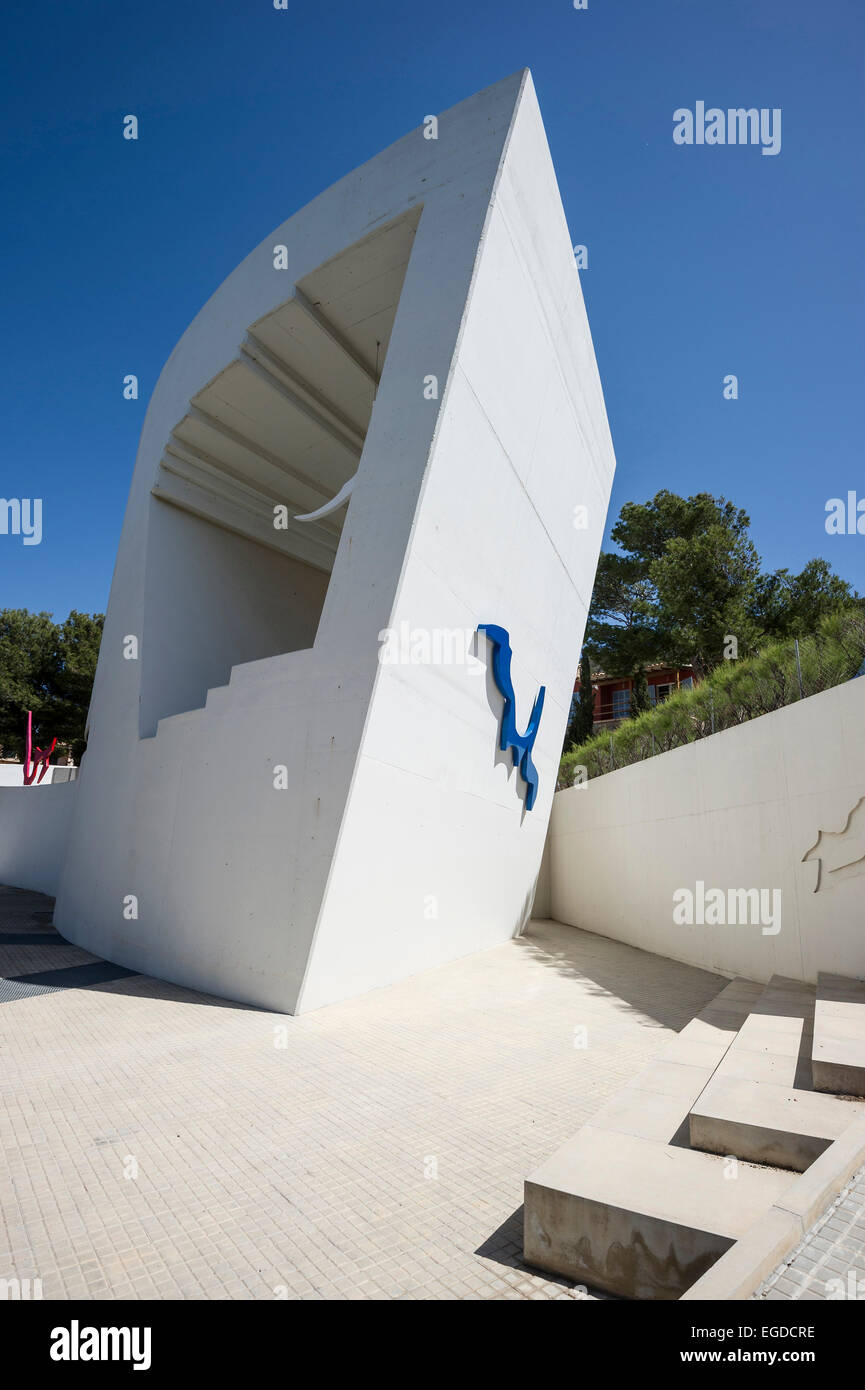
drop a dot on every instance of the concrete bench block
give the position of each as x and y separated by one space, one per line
838 1051
638 1218
766 1123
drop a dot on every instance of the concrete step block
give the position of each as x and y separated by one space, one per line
774 1041
838 1050
763 1122
625 1205
638 1218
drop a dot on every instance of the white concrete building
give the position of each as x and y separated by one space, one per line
266 809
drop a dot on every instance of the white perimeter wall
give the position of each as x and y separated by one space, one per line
12 774
34 825
738 810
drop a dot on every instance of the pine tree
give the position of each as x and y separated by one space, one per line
582 718
640 698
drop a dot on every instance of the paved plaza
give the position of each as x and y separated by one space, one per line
158 1143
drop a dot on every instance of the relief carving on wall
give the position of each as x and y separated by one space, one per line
840 854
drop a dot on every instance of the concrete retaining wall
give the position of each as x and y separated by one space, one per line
740 810
34 827
12 775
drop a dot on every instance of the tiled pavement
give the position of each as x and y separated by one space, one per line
158 1143
830 1262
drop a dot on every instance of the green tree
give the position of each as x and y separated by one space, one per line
641 701
705 587
77 652
27 648
621 632
582 720
688 577
792 605
48 668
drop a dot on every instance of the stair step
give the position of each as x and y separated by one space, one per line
636 1217
762 1122
656 1102
774 1041
625 1205
838 1052
759 1104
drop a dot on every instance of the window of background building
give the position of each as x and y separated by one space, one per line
621 704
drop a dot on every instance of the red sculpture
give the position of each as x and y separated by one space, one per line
41 757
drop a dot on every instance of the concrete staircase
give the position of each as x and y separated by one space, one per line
760 1103
696 1148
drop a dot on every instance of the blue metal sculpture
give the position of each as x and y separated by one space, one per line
521 745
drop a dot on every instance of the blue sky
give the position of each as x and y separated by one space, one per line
702 261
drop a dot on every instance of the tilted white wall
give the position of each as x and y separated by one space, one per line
738 810
436 834
34 829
